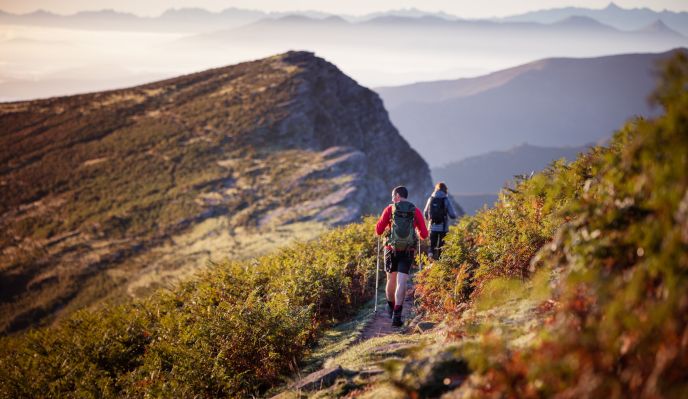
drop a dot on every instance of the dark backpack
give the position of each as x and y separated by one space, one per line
438 210
402 236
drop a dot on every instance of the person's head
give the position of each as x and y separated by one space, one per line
441 187
399 193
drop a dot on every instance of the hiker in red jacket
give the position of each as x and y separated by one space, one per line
402 219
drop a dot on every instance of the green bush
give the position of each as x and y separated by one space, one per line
612 231
502 241
234 330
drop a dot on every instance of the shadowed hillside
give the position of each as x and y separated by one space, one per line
113 193
475 181
553 102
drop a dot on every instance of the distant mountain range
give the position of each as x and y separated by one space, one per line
173 20
111 194
382 49
186 19
553 102
373 50
299 24
613 15
201 20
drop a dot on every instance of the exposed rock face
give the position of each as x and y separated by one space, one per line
333 110
116 192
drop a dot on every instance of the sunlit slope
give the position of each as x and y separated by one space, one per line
123 190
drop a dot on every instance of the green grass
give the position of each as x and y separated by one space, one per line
338 339
367 354
234 330
131 164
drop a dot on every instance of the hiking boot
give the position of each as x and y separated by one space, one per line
390 309
396 318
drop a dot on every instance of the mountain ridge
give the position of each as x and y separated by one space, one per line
601 93
197 19
367 49
228 161
612 14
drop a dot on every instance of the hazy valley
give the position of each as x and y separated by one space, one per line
553 102
45 54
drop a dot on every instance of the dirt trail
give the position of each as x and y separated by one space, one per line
338 363
381 324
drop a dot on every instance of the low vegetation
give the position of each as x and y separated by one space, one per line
234 330
596 252
99 189
574 285
118 173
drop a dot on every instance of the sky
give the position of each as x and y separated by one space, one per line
462 8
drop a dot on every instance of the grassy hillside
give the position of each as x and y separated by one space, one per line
233 331
116 193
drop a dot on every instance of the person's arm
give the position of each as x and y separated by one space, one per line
450 208
384 220
419 224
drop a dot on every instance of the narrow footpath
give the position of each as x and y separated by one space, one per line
352 354
381 324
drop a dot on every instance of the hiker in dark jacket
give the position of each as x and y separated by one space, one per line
398 261
437 210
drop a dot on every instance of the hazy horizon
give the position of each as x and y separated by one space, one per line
45 58
461 8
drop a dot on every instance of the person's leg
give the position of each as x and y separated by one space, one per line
404 261
400 293
434 242
391 286
391 271
440 243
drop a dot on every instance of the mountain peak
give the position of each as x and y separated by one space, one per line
658 24
659 27
298 57
613 7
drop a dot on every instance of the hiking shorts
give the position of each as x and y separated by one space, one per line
398 261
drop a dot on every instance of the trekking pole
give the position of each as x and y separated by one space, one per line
377 273
420 259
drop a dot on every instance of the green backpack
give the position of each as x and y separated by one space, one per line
402 236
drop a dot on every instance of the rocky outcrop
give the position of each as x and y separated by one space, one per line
333 110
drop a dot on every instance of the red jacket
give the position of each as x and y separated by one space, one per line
385 221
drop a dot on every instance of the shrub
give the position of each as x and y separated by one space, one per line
233 330
613 226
